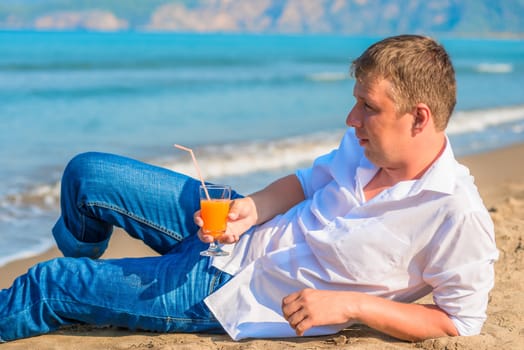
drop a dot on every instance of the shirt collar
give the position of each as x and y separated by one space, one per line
439 177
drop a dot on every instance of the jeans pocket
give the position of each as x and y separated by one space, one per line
220 278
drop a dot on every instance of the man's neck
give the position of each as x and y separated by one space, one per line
422 159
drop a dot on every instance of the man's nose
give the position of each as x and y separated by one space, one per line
353 120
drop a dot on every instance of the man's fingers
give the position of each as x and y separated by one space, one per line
198 219
228 239
295 312
299 321
205 238
290 298
295 318
290 305
303 326
233 211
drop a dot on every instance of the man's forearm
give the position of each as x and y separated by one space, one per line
411 322
277 198
312 307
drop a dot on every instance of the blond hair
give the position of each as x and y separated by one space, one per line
419 70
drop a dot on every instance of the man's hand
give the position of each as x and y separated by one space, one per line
242 215
310 307
257 208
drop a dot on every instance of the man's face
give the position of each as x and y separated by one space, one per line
381 131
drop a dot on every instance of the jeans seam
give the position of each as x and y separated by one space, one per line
142 220
83 223
166 317
215 282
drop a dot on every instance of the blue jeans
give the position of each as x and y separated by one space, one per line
163 293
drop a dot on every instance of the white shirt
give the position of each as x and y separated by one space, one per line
428 235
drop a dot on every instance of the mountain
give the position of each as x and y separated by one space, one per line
454 17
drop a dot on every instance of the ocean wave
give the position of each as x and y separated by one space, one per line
37 247
478 120
134 83
30 203
328 76
251 157
495 68
26 222
118 63
483 67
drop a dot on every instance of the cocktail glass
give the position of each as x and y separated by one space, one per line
214 207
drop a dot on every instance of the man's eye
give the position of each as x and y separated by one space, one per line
368 107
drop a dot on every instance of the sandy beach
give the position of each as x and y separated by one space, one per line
500 177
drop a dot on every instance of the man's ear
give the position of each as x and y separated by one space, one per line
421 118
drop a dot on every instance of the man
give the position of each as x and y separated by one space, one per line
383 220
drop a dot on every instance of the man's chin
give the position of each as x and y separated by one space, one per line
371 156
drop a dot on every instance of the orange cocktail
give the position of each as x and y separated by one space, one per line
214 207
214 213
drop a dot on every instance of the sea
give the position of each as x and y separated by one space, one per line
252 108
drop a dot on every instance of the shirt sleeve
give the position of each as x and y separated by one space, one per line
339 163
461 269
316 176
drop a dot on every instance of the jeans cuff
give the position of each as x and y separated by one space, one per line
70 246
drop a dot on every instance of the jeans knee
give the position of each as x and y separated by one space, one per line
47 279
82 165
81 169
39 278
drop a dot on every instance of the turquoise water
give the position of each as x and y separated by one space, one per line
252 107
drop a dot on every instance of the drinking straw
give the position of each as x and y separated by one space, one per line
196 167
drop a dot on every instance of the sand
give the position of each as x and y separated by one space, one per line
500 178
